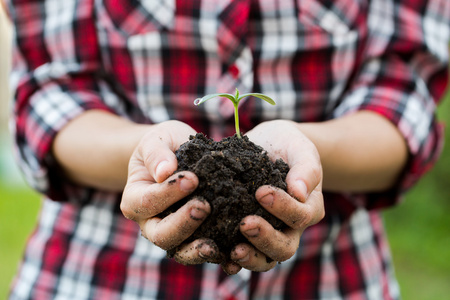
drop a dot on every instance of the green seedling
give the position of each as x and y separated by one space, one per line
235 99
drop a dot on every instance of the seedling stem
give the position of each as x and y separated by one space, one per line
235 100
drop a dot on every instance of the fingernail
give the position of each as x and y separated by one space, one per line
160 168
187 185
198 214
303 189
206 251
252 232
267 200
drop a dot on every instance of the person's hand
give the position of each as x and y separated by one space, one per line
301 206
152 187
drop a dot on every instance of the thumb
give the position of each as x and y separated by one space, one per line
165 166
159 145
157 155
305 174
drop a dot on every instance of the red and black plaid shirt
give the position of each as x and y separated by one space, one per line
148 60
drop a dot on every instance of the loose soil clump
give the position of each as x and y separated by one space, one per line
229 171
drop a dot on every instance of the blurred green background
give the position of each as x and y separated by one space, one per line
419 229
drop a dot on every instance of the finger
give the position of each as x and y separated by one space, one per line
157 154
293 213
276 244
231 268
252 259
198 252
172 230
142 200
304 176
157 148
316 207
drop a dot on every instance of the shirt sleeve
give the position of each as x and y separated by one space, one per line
403 77
56 76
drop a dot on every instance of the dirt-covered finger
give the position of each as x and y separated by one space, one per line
275 244
280 204
316 207
299 215
172 230
230 267
252 259
141 200
198 252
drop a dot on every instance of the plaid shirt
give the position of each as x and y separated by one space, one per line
148 60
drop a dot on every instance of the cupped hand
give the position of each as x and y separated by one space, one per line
301 206
152 187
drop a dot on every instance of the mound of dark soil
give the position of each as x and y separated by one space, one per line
229 172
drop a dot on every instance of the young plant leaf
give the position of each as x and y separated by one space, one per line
260 96
235 100
199 101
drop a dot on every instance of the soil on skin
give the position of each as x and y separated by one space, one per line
229 172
